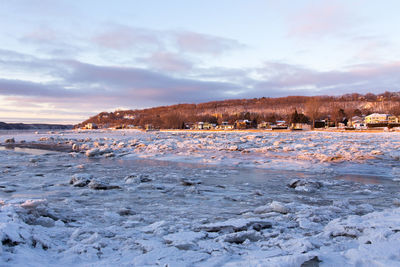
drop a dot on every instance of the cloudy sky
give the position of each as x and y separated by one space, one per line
63 61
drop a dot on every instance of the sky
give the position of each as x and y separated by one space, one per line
64 61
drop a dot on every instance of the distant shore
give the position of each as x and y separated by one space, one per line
277 131
34 126
370 130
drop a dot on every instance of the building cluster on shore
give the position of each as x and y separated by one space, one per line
375 120
243 124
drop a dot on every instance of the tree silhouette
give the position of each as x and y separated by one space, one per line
312 109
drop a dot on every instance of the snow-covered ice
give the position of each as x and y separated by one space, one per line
201 199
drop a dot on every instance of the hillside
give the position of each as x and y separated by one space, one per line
257 110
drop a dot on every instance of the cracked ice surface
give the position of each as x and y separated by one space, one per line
202 199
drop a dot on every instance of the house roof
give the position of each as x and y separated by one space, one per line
377 115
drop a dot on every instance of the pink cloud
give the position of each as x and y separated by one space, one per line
169 62
281 77
319 20
124 37
43 34
371 48
382 70
202 43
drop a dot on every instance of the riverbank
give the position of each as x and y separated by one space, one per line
372 130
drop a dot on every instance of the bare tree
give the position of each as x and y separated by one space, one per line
312 109
336 112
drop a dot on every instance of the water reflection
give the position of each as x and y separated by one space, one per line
364 179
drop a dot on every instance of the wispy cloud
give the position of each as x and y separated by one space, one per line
371 48
320 20
41 35
192 42
127 37
53 42
169 62
135 82
286 79
82 85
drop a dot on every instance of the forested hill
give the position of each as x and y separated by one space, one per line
257 109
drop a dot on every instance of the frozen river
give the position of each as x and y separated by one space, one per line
134 209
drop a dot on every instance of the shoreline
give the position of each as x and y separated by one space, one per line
274 131
207 131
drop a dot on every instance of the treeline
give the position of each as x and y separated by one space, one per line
336 108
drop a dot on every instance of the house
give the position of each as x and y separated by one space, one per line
300 126
131 126
203 126
91 126
279 125
198 126
264 125
243 124
393 119
208 126
149 127
357 122
321 124
189 125
379 118
226 126
359 125
129 117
